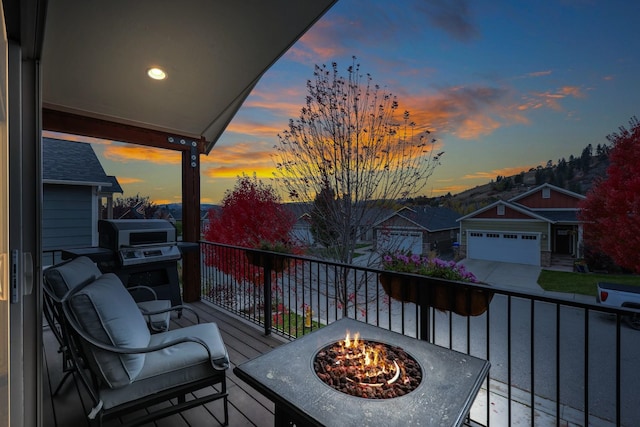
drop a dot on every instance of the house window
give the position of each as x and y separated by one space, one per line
493 235
510 236
475 234
529 237
546 193
500 209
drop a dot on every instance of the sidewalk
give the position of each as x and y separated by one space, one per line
544 414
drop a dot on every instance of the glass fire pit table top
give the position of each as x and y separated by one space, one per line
285 375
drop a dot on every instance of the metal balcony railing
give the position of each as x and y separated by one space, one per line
554 360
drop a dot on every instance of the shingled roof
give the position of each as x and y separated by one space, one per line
115 186
428 217
68 162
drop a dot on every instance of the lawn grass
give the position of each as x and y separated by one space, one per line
293 324
581 283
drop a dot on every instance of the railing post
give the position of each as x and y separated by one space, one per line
425 332
268 311
424 300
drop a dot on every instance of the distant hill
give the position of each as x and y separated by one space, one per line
576 174
572 175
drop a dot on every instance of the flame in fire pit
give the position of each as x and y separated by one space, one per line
369 359
367 369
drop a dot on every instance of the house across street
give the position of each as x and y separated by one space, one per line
528 229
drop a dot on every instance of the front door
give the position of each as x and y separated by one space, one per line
563 238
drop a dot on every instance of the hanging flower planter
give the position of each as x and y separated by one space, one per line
276 262
401 288
461 300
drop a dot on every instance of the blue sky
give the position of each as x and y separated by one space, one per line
503 85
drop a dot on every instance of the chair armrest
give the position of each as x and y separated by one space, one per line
143 288
180 307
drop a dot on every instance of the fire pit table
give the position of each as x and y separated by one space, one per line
287 376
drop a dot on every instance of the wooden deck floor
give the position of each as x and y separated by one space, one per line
246 406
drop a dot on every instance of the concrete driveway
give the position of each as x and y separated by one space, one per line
520 277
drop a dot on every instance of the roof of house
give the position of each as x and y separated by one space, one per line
427 217
550 214
560 215
68 162
115 186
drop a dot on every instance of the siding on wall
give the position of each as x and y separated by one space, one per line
556 200
67 216
509 213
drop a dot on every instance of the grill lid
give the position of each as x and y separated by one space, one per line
115 234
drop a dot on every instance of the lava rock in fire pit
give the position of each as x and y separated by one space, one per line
367 369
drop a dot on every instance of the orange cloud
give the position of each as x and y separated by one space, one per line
466 112
453 189
263 130
163 201
231 161
551 99
572 91
492 174
474 126
128 180
322 41
261 171
131 152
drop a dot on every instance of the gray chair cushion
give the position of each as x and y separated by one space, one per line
64 277
174 366
108 313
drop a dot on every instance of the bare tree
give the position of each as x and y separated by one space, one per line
349 142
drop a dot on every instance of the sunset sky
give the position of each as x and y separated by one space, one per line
503 85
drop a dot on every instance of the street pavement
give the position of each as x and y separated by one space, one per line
524 278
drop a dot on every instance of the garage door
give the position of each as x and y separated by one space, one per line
403 241
521 248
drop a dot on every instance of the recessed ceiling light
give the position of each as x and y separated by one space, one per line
156 73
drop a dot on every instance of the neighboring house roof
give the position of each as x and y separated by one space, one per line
73 163
299 209
559 207
302 211
560 216
115 186
426 217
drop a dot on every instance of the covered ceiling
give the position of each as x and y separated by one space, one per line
96 55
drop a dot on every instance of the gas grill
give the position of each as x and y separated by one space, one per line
139 241
141 252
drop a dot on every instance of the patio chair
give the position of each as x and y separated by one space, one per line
129 367
69 274
61 278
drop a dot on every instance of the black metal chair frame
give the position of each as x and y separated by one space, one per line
52 310
75 334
